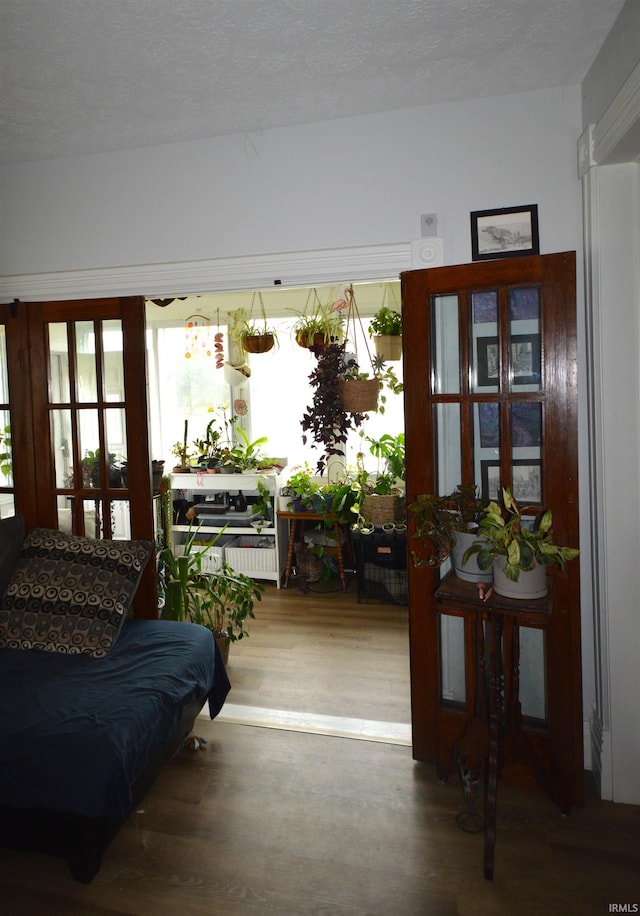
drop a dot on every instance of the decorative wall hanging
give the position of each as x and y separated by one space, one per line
198 337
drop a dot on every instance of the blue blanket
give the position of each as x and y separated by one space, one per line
76 731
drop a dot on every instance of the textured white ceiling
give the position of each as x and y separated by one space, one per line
84 76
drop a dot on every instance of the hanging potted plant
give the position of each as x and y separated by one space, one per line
254 336
518 553
358 390
385 328
325 423
316 328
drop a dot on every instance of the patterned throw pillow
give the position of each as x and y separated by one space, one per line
70 594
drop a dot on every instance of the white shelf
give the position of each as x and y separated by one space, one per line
197 486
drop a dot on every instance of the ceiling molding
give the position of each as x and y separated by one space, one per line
181 278
616 136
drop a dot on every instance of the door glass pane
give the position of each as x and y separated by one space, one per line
445 358
115 430
6 452
62 455
448 447
58 364
484 360
533 665
89 448
526 452
486 447
452 666
87 375
524 330
112 361
4 380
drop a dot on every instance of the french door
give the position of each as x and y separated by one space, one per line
491 399
76 407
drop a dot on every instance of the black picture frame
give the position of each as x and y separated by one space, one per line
525 360
510 232
526 476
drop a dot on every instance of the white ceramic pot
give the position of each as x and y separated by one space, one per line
531 584
469 571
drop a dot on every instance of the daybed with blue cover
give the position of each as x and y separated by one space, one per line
91 703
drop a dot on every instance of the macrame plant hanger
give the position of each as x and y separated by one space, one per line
359 395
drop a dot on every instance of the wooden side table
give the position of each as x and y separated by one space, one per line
296 522
495 715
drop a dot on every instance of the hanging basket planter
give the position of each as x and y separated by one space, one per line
359 395
310 341
388 347
259 343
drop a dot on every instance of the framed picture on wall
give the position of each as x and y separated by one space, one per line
490 479
506 233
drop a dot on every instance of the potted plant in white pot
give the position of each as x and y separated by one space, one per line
518 553
468 509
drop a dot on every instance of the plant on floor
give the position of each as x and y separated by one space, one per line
221 600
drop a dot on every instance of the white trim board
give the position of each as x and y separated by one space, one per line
181 278
311 723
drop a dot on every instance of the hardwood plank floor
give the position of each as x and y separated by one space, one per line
264 821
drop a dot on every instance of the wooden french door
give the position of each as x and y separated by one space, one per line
491 399
76 381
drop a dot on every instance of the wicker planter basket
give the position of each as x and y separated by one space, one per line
388 346
382 510
258 344
308 564
359 395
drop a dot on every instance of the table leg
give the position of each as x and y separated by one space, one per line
338 535
496 734
290 552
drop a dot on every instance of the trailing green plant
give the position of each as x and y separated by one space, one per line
506 533
301 486
467 506
386 321
434 529
6 454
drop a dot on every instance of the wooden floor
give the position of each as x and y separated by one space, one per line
267 821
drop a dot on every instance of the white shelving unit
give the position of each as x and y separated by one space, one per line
243 555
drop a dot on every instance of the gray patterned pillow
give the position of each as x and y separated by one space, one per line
70 594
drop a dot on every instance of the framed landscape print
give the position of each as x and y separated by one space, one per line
506 233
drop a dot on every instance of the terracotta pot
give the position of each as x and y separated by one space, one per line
261 343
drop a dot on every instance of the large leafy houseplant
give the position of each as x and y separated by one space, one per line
506 534
221 600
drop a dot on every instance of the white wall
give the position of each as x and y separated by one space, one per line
351 182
